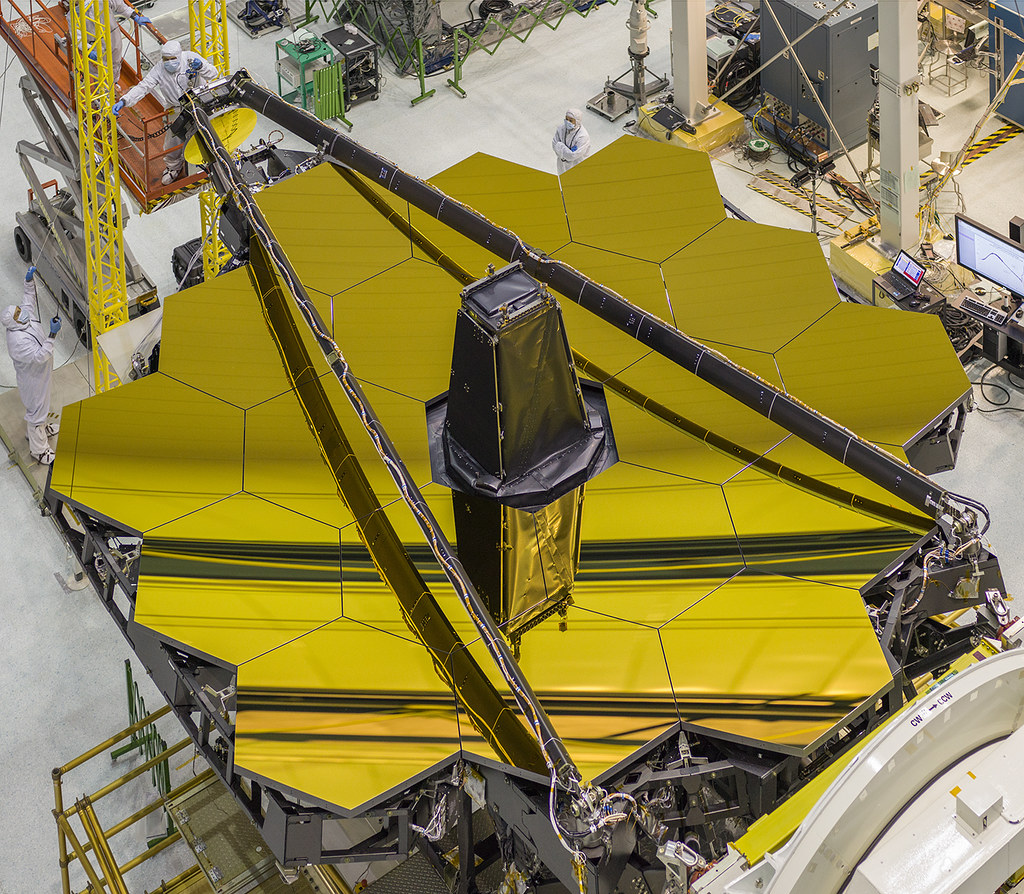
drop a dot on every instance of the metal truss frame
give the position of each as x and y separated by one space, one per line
709 786
101 183
208 27
62 261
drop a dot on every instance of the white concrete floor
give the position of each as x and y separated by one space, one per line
61 673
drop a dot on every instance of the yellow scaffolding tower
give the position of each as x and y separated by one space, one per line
209 33
101 186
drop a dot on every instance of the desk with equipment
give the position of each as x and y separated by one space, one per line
1000 261
297 60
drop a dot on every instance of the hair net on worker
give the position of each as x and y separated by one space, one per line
171 49
7 318
571 142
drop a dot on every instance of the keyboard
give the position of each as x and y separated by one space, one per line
899 287
981 311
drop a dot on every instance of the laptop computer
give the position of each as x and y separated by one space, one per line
903 278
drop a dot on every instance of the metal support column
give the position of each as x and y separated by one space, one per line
209 31
467 855
897 123
638 26
101 182
690 58
209 220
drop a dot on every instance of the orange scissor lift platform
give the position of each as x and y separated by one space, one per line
38 34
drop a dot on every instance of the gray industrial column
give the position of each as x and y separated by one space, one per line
897 122
690 57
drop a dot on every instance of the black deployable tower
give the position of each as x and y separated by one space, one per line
516 437
519 426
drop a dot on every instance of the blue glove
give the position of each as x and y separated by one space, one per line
118 106
195 64
141 19
92 55
55 325
30 273
572 148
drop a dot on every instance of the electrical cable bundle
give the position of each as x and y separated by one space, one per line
488 8
732 74
797 157
736 70
768 129
959 326
1003 405
757 149
844 189
734 20
476 23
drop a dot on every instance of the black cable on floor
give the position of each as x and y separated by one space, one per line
1001 406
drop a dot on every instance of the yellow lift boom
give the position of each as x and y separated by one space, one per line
209 32
101 192
101 187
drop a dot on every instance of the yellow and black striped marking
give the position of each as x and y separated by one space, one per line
797 201
982 147
823 201
169 198
825 217
993 141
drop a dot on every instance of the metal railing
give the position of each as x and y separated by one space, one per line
519 26
70 846
39 35
422 57
144 145
149 741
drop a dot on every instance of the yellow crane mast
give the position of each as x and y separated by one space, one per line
93 91
209 33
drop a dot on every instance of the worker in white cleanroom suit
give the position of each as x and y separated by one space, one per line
117 8
571 141
120 8
31 351
177 72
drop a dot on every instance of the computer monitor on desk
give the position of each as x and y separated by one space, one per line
1001 261
991 256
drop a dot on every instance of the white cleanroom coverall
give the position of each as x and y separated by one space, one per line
193 72
117 7
31 351
571 142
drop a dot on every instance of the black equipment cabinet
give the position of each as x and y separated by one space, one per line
837 57
362 64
